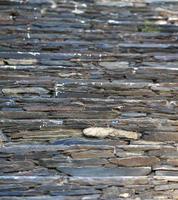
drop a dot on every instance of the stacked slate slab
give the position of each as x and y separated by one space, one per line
88 99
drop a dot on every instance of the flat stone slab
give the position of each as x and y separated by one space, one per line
100 132
136 161
100 172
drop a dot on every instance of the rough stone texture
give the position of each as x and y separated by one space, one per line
108 172
136 161
31 90
99 132
88 99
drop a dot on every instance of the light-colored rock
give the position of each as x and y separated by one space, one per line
114 65
25 90
173 161
3 137
101 132
20 61
175 194
116 192
114 180
124 195
166 187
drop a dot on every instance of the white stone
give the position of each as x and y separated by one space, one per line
101 132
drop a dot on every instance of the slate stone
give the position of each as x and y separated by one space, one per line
3 137
166 187
114 65
14 91
173 161
134 115
136 161
100 172
166 173
115 192
162 136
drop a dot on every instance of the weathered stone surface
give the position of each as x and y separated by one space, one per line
115 180
43 135
31 90
15 166
166 173
173 161
146 147
92 154
162 136
3 137
19 61
88 99
100 172
115 192
133 114
100 132
136 161
166 187
114 65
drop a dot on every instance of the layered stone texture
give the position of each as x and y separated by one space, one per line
88 100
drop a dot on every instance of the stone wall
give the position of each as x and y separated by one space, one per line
88 99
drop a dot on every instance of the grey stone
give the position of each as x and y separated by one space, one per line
101 172
3 137
25 90
114 65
